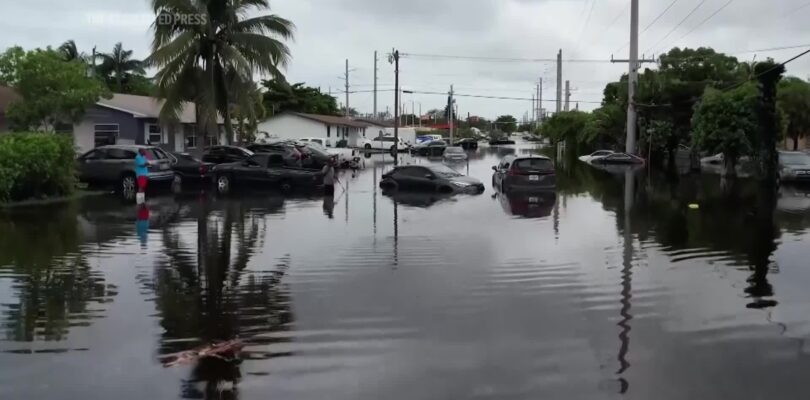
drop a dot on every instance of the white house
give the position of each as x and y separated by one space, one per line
292 125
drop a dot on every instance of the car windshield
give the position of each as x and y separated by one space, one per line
534 164
795 159
444 171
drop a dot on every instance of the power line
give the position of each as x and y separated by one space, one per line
677 26
496 97
499 59
705 20
661 14
584 26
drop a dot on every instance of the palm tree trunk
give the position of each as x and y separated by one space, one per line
795 143
199 132
227 117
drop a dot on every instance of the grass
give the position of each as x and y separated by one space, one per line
78 194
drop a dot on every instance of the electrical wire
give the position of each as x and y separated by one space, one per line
661 14
499 97
498 59
676 26
705 20
584 26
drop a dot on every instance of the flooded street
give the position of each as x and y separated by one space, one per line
614 287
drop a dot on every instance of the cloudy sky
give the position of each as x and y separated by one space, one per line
331 31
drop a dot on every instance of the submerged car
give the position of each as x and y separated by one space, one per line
466 143
430 178
529 172
454 154
430 148
618 158
264 171
595 155
794 166
115 165
188 169
387 143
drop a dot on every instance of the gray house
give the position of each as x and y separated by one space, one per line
131 119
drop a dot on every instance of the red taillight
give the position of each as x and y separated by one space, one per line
511 172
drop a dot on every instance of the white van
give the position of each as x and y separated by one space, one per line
320 141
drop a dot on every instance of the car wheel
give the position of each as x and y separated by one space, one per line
286 186
223 184
367 146
129 186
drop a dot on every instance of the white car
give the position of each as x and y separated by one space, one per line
321 141
384 143
595 155
454 154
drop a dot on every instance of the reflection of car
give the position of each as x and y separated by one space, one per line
417 199
618 158
225 154
794 166
384 143
115 164
529 172
528 204
454 154
188 169
595 155
431 148
466 143
261 171
429 178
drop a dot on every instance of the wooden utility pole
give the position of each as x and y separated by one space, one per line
346 113
559 81
394 57
376 116
567 94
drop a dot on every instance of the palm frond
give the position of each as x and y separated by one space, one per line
261 51
266 24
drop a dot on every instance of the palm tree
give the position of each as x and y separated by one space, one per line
69 51
120 63
202 58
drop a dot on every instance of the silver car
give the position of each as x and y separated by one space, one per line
115 165
794 166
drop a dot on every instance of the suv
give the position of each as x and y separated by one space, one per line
293 157
115 164
515 173
385 143
225 154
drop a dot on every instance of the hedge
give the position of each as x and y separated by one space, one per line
36 165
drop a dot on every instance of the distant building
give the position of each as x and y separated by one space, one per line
292 125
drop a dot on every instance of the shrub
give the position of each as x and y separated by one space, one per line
36 165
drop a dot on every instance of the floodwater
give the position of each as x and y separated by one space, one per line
623 284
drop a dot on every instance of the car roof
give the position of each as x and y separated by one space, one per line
126 146
524 157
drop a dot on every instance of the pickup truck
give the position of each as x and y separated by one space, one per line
263 171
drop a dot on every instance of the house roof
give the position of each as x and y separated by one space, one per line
7 96
332 120
147 107
383 124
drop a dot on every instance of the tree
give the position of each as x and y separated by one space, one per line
768 75
568 127
119 62
69 51
281 97
201 58
606 127
793 98
53 91
725 122
506 123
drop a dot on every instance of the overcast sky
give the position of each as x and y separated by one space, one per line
330 31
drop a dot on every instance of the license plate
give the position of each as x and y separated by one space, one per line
534 177
534 199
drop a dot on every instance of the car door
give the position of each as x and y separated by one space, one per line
90 165
116 163
213 155
503 167
254 169
233 155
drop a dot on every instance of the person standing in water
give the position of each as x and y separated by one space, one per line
329 178
142 170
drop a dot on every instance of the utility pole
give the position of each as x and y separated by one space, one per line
540 100
567 93
451 114
376 116
420 115
632 81
347 89
394 57
413 112
559 80
534 107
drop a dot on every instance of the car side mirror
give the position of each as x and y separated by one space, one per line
494 168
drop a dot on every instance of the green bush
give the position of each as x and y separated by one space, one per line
36 165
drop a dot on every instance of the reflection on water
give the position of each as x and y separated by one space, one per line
621 283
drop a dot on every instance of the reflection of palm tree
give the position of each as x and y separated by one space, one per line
211 298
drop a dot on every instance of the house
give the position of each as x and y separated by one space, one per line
293 125
7 96
131 119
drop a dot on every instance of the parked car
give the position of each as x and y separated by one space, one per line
431 178
188 169
454 154
595 155
794 166
225 154
618 158
524 172
321 141
431 148
386 143
115 165
289 152
264 171
466 143
497 141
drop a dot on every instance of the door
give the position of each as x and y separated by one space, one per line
213 155
90 165
234 155
254 169
116 163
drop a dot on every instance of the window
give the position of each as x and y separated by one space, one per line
259 160
105 134
534 164
95 155
211 140
154 136
413 172
191 136
120 154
